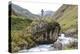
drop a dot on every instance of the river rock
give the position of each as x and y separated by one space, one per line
57 45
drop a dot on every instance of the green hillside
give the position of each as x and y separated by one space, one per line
19 23
68 19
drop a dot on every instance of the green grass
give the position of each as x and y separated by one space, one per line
18 23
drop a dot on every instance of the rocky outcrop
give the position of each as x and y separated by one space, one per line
45 33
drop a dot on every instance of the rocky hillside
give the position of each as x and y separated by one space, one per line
67 16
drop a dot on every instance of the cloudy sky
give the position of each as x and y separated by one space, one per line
35 6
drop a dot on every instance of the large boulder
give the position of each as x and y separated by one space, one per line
45 32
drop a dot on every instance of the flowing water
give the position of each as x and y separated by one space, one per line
51 47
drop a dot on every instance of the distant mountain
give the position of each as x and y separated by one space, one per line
19 11
48 13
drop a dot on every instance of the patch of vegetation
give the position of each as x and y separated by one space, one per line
19 41
18 23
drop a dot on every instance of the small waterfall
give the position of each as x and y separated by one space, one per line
65 41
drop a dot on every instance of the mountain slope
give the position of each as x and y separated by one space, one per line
67 16
19 11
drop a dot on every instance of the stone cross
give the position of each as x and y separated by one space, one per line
42 12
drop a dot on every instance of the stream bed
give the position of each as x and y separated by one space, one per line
60 44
